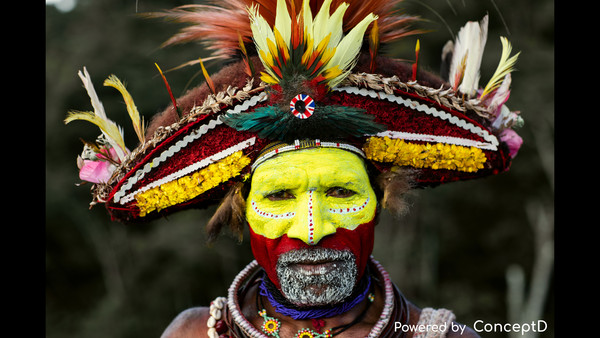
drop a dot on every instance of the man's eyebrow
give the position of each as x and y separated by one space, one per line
273 182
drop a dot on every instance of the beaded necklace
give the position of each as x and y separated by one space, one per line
246 329
284 307
272 325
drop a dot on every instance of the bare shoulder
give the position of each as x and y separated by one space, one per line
189 323
461 330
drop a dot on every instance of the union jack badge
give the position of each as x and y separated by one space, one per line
302 106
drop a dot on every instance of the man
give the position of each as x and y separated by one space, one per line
305 142
312 216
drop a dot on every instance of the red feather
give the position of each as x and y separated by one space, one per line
217 26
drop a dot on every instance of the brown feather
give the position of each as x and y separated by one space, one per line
219 25
395 184
230 213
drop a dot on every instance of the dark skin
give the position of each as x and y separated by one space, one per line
192 322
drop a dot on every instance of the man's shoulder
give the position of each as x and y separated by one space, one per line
191 322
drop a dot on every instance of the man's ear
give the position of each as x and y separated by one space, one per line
231 212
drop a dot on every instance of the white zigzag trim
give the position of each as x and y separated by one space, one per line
173 149
423 108
438 139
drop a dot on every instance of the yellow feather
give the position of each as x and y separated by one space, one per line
339 78
281 44
327 56
309 48
109 128
138 122
209 81
332 73
323 44
320 22
283 22
307 16
505 66
266 58
267 78
349 48
113 133
335 25
272 49
268 61
261 31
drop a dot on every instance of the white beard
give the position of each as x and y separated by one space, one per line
323 284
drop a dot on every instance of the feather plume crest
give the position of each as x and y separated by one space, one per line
349 48
272 123
323 51
219 25
466 60
112 132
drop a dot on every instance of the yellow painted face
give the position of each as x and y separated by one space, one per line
308 194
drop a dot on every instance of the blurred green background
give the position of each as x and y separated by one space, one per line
482 248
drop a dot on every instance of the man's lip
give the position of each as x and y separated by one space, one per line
314 268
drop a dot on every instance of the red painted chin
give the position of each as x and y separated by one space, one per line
358 241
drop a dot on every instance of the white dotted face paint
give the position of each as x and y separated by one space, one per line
308 194
349 210
271 215
311 221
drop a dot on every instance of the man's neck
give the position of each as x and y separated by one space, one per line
388 307
357 321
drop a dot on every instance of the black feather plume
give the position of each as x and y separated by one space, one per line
328 122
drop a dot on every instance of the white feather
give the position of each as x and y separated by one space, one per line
349 48
470 41
320 22
109 128
261 31
283 22
89 87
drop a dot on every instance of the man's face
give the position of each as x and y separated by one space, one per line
311 214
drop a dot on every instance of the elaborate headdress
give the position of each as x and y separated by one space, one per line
305 74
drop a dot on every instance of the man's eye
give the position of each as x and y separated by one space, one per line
340 192
280 195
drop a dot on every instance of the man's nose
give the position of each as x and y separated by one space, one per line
311 223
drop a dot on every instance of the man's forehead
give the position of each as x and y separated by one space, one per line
315 161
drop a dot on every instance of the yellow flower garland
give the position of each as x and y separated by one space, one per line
187 187
434 156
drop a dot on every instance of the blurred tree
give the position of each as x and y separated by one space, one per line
452 250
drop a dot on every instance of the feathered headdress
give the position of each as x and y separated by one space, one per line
308 74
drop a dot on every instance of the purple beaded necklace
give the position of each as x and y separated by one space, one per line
314 313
